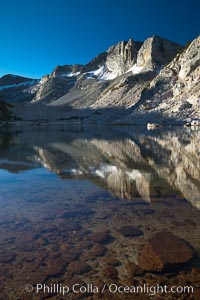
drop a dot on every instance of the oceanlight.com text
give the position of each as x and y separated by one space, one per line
112 288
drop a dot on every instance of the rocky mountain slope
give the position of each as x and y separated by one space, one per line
175 92
132 82
15 88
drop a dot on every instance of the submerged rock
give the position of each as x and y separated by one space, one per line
109 272
130 231
98 250
134 269
79 267
38 276
100 236
68 225
112 261
165 251
54 266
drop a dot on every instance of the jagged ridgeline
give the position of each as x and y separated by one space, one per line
132 82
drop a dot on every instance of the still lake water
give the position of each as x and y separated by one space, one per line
77 205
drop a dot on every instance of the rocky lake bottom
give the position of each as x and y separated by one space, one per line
93 207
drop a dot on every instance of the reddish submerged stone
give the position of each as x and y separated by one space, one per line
165 251
78 267
99 236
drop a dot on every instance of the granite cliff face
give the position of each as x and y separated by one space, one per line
122 56
175 91
132 82
85 83
156 52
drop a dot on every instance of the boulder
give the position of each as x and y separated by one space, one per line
165 251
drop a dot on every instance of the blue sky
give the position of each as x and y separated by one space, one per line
37 35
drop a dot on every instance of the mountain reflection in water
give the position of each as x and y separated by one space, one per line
129 164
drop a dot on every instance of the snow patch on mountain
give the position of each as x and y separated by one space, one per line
135 69
31 82
102 73
109 75
95 73
71 74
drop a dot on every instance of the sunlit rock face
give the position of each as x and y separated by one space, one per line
52 88
122 56
156 52
67 70
190 59
174 93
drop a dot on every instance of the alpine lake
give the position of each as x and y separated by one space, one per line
92 207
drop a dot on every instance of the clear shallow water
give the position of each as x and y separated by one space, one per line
58 186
